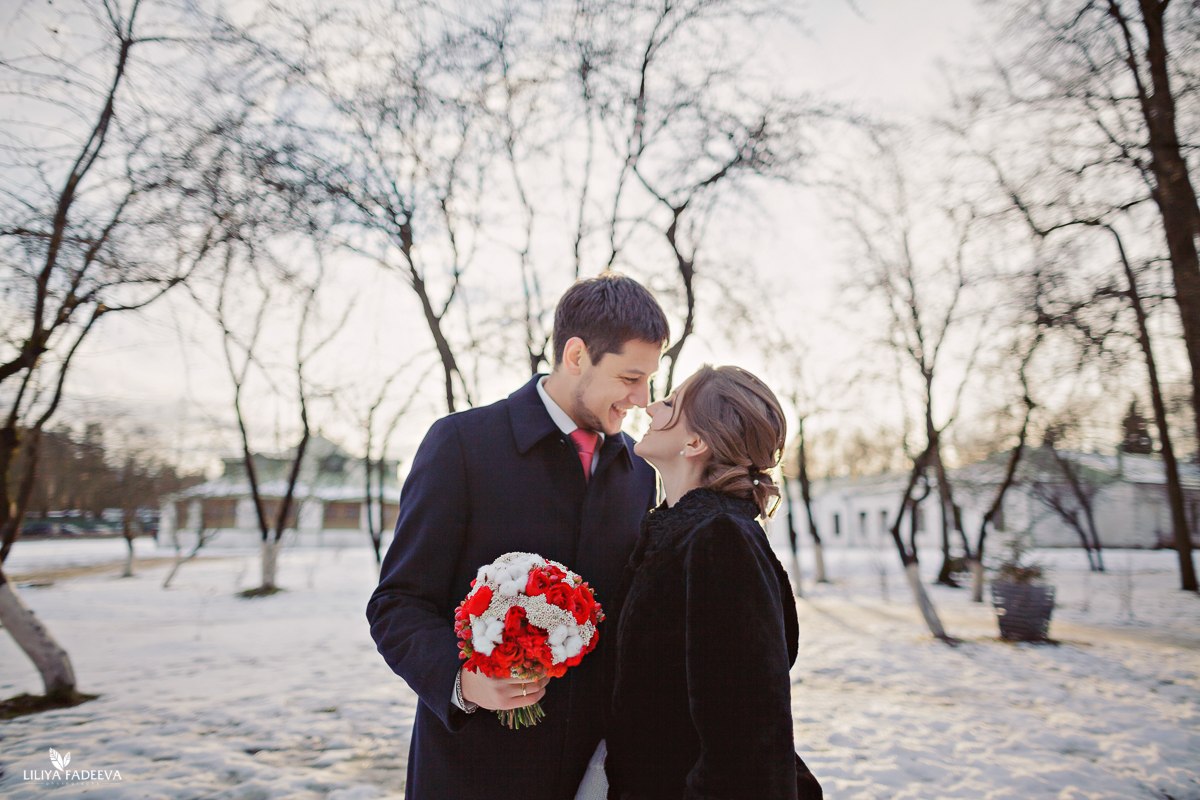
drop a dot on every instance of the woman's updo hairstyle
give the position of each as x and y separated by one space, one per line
741 421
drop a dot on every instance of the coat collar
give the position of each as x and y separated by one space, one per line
699 505
531 422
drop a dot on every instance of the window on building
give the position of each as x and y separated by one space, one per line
343 515
883 522
333 465
271 510
862 523
219 512
837 524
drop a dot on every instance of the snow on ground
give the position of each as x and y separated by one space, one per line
205 695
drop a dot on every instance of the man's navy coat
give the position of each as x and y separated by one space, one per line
485 482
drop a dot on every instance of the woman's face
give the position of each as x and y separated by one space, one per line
668 433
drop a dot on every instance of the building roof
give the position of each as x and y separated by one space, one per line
1130 468
274 490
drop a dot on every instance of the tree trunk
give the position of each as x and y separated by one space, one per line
1183 539
909 559
1010 473
806 495
687 275
912 573
202 538
270 563
946 498
180 560
128 571
1094 532
819 563
35 641
793 540
1173 192
944 575
127 532
976 581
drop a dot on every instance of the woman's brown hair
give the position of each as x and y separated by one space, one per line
741 421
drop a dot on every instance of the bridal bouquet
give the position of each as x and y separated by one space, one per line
526 617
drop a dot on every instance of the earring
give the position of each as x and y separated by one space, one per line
680 452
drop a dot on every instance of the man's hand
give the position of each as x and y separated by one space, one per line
501 694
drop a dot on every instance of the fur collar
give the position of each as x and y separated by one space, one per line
666 524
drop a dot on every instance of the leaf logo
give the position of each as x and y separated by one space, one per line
60 761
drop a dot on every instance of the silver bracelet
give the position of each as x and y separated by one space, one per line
467 706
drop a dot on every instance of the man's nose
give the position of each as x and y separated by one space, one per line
640 396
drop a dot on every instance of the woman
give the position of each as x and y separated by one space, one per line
701 700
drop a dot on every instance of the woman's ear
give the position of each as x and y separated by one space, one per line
694 447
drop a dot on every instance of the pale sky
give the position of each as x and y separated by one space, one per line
881 58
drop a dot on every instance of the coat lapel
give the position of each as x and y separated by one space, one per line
527 413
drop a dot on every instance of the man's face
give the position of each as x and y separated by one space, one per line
605 391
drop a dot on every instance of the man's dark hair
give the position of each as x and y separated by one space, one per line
606 312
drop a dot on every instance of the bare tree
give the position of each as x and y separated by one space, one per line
1025 352
375 452
1068 490
391 136
1073 222
243 354
1120 75
935 334
929 315
806 498
678 135
83 220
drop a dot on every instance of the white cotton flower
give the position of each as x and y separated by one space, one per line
565 642
485 635
573 645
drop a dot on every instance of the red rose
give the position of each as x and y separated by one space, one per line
538 581
536 649
561 595
478 603
507 654
584 604
556 574
514 623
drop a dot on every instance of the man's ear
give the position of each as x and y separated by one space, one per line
575 356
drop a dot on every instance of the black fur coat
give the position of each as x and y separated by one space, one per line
701 697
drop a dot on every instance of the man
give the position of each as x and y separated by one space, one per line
549 471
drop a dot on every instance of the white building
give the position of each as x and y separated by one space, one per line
328 503
1127 496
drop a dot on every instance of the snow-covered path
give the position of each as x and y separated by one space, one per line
879 705
204 695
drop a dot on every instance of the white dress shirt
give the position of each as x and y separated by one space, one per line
564 422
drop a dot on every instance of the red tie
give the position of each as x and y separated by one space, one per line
585 443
